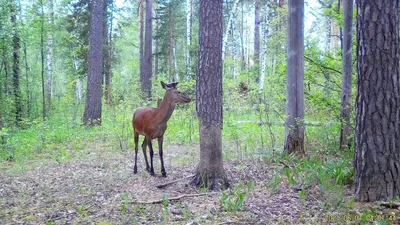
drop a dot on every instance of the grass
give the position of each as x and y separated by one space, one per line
61 139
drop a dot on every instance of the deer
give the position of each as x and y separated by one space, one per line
152 123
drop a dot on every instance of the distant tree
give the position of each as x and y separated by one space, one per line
346 75
50 55
16 64
257 18
92 114
377 138
294 129
210 171
44 109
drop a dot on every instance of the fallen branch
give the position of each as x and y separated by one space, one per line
170 199
390 204
174 181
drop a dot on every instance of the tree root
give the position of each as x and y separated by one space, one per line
174 181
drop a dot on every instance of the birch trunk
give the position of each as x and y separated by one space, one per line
228 27
188 39
50 55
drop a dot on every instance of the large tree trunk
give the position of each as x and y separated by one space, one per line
92 114
148 52
377 139
16 66
294 129
210 171
42 62
347 72
50 54
257 35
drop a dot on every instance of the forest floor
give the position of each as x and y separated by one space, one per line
97 186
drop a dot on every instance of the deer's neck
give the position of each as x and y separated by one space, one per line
166 109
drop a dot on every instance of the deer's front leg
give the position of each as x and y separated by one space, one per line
160 150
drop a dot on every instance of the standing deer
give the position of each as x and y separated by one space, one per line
152 123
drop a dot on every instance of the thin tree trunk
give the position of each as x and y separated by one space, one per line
347 72
264 31
42 61
16 65
377 136
141 38
176 76
210 171
257 36
335 31
7 88
50 55
294 129
188 39
92 114
228 27
157 40
28 91
78 88
243 64
110 57
171 54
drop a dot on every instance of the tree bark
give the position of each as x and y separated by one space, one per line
42 62
157 43
16 65
347 72
377 137
92 114
257 36
148 52
294 129
141 41
188 39
107 49
228 27
335 30
243 64
50 55
210 172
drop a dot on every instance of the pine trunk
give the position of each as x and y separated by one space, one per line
377 138
92 114
294 129
148 51
347 72
210 172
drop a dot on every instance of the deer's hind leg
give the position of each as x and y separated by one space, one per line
144 144
151 156
136 138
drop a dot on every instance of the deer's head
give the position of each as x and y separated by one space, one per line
173 94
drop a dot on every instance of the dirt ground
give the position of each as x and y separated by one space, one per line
97 188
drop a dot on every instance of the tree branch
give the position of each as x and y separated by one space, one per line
170 199
323 66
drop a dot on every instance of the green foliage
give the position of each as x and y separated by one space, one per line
233 201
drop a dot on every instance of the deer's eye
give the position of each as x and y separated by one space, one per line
179 92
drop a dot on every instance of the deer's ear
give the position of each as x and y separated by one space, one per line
164 85
173 85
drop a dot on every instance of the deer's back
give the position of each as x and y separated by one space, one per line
146 122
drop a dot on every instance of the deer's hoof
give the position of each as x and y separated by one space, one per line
135 170
148 169
164 174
